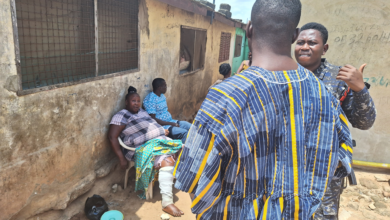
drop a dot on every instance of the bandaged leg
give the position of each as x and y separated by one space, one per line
165 179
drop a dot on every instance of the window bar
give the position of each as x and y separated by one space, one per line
96 38
193 56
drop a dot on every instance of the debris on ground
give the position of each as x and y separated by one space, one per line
372 206
114 188
381 178
165 216
370 199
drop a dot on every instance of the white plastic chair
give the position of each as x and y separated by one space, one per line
149 192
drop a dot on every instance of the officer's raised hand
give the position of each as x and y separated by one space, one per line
352 76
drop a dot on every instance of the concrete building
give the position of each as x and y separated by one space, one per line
65 67
359 32
241 49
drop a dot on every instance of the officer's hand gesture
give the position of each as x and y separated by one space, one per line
352 76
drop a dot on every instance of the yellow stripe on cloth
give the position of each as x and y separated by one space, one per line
294 145
281 204
205 190
257 172
228 96
256 208
276 168
327 174
203 164
212 204
296 211
265 210
342 117
177 163
244 182
225 210
347 148
211 116
318 137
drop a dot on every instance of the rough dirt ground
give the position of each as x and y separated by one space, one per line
134 208
354 204
370 199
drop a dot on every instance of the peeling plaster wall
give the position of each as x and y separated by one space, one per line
359 32
52 142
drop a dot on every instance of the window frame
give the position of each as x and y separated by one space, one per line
204 61
22 92
235 46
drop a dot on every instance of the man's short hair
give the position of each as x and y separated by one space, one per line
157 83
276 20
319 27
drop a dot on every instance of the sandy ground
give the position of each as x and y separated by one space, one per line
134 208
354 204
370 199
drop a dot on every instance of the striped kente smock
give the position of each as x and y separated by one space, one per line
264 145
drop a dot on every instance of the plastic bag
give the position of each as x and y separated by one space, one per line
95 207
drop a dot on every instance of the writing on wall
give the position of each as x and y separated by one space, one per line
377 81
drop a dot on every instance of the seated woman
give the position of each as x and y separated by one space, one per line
138 130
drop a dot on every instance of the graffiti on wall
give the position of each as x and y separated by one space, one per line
377 81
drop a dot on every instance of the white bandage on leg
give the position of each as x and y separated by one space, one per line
165 179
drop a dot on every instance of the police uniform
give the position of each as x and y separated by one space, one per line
360 111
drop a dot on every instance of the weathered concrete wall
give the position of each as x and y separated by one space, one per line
359 32
54 142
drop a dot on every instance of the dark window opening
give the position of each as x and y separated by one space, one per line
59 40
238 47
192 49
224 48
56 41
118 35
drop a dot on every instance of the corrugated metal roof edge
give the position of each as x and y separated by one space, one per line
198 8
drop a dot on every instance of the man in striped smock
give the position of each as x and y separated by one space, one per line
266 142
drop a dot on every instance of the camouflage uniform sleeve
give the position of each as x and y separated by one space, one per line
360 109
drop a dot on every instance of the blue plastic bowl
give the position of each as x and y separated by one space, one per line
112 215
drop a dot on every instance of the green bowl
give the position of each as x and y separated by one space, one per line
112 215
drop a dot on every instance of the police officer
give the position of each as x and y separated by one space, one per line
345 83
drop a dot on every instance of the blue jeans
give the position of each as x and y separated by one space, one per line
179 133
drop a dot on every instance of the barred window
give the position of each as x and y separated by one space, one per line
118 35
224 48
62 41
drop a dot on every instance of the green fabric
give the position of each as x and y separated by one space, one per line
144 161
